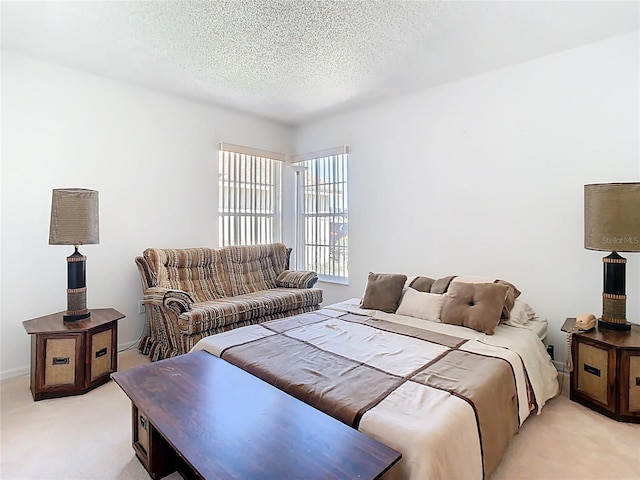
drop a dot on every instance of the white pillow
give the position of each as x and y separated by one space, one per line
473 279
424 305
521 313
531 314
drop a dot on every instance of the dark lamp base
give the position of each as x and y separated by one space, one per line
621 327
75 318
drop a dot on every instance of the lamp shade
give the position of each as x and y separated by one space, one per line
612 217
74 217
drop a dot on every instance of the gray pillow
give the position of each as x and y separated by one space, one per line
441 285
510 301
383 291
474 305
422 284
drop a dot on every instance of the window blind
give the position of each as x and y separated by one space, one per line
249 195
322 216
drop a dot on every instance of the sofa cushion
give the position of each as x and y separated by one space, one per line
383 291
254 268
225 311
474 305
201 272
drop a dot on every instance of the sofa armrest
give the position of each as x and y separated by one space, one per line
146 277
178 301
297 279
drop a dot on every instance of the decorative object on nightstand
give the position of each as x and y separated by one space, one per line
71 358
74 221
612 224
606 373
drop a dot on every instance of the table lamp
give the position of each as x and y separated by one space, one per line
74 221
612 224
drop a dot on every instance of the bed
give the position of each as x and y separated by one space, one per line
448 397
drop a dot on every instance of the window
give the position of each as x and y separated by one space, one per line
250 192
322 222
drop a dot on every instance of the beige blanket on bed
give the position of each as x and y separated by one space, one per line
449 405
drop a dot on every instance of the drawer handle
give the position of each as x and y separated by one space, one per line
60 361
592 370
143 422
101 353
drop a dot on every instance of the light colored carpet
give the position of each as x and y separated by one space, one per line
89 437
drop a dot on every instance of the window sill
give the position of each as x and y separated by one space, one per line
334 280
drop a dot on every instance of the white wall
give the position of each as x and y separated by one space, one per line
485 176
480 176
152 157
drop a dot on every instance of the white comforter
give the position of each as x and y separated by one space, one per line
436 432
542 373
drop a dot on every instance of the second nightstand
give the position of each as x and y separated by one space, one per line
71 358
606 372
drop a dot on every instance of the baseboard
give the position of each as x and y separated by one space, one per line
15 372
25 370
127 346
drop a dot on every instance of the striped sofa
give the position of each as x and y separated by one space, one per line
195 292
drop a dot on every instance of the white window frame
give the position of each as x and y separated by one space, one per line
322 213
249 195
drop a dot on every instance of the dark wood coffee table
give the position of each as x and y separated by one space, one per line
205 418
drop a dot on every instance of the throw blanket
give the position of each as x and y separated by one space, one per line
449 405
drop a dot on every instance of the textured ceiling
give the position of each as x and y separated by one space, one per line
294 61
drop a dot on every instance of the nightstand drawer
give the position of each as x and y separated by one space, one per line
592 372
630 384
102 353
634 384
59 364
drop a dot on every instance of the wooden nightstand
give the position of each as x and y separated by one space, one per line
71 358
606 371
